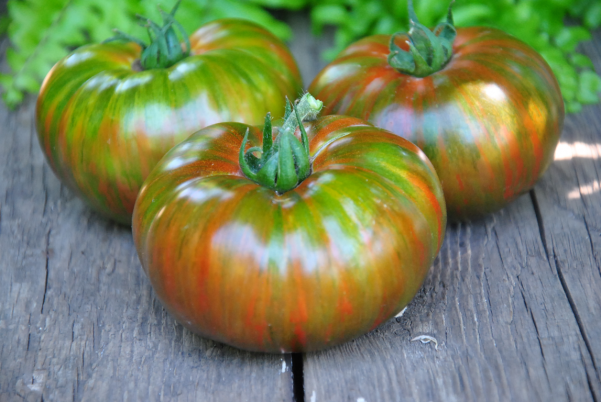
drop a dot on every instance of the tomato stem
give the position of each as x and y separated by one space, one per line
284 163
164 49
429 51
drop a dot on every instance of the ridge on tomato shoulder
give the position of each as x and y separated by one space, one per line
107 113
338 251
484 106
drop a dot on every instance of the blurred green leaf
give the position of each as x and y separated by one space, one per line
589 87
6 79
569 37
384 25
4 21
573 107
12 97
472 12
569 86
289 4
580 60
323 14
592 16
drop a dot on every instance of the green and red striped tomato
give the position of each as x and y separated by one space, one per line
103 124
325 262
489 120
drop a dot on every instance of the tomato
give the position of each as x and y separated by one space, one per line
289 271
488 116
103 122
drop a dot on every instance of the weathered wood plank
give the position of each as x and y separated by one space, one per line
504 326
569 201
510 324
78 318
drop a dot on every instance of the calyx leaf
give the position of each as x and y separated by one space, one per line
284 162
164 49
429 51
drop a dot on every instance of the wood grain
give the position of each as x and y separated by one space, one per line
513 302
569 202
504 327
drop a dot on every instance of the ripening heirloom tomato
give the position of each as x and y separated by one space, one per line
108 112
316 242
484 106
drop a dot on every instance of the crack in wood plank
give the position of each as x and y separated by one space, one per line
564 285
46 272
590 238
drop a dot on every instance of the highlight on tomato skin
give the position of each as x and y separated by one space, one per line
320 264
489 117
103 121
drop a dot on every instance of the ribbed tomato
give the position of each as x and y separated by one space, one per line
104 122
326 261
487 109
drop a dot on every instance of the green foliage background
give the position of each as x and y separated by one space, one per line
43 31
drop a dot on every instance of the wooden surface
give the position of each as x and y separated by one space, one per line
513 300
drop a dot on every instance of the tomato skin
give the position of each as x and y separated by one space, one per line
316 266
489 120
103 125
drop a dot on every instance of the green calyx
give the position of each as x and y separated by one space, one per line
429 51
284 162
164 49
